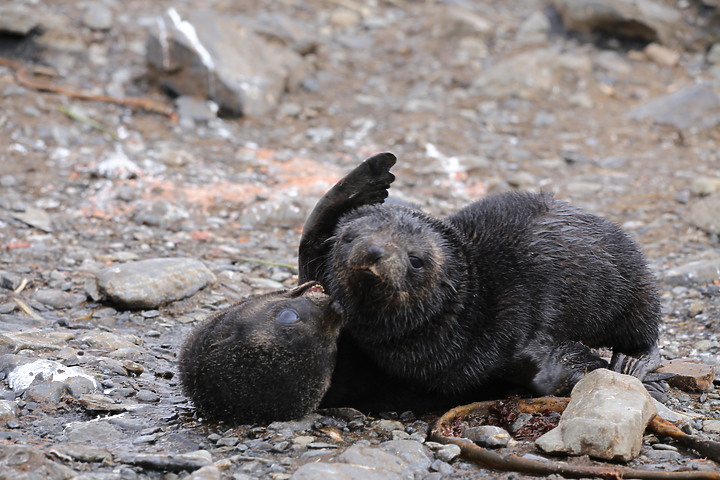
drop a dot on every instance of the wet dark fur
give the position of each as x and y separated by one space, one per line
242 365
514 287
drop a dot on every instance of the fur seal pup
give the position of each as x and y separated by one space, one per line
516 288
268 358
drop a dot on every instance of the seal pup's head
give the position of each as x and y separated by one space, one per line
268 358
394 269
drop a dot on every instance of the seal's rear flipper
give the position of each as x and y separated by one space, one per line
642 366
367 184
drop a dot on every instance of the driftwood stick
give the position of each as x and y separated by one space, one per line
513 463
26 79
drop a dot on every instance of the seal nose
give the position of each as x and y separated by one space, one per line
374 253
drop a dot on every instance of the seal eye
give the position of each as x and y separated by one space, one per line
287 315
416 262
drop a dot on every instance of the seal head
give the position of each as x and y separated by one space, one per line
268 358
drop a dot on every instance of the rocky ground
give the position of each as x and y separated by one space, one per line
473 97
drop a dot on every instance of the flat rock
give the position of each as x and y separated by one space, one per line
693 106
35 217
216 57
147 284
56 298
704 214
529 75
34 339
190 461
96 432
643 19
606 418
711 426
101 403
703 186
17 460
690 375
695 272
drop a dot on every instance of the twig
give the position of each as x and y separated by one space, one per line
27 309
88 121
21 287
663 428
513 463
25 79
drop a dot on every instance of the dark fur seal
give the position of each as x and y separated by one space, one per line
268 358
513 288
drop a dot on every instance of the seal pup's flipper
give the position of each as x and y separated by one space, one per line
367 184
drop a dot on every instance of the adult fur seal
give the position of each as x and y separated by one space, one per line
516 287
268 358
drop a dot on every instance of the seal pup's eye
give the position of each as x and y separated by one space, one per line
416 262
287 315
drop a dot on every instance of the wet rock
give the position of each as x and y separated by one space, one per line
695 272
488 436
704 214
97 432
643 19
690 375
606 418
147 396
35 217
98 16
215 57
150 283
171 462
16 461
693 106
57 298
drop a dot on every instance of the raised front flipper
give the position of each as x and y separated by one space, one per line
367 184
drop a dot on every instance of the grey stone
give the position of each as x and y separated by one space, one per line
195 109
281 28
96 432
35 217
447 453
84 453
100 403
18 20
150 283
487 436
643 19
342 471
695 272
704 214
190 461
711 426
208 472
375 459
713 55
57 298
534 29
98 16
662 455
693 106
160 214
606 418
216 57
416 455
44 371
387 426
529 75
16 461
703 186
147 396
106 341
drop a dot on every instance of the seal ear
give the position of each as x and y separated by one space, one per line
366 184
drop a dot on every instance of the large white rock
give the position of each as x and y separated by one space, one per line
606 418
